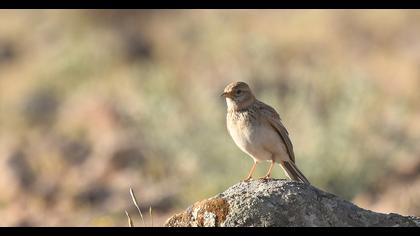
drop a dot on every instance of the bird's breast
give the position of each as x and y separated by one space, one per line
244 129
255 137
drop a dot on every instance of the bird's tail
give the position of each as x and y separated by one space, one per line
293 172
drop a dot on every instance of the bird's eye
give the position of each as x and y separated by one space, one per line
238 91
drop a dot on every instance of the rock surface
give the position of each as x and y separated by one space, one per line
281 203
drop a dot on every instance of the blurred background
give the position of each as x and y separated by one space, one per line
93 102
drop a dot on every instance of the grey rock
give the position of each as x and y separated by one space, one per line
281 203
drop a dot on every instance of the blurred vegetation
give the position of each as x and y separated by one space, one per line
93 102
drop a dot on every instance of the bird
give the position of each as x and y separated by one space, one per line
257 129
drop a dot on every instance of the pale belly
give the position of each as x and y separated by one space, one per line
261 142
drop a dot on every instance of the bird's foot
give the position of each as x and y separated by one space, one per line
249 178
267 177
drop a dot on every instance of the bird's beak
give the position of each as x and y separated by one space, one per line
224 94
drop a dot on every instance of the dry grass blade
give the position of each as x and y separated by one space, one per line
151 217
130 222
133 197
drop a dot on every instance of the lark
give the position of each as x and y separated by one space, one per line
256 128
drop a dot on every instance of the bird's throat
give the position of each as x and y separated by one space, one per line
233 105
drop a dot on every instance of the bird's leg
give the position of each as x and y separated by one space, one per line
268 175
249 177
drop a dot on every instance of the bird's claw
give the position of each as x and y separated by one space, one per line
247 179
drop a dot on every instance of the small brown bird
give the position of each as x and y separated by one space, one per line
257 130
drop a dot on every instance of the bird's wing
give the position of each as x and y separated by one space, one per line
275 121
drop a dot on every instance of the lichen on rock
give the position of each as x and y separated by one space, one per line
208 213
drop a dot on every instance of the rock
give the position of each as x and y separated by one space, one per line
281 203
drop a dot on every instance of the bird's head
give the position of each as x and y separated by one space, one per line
238 95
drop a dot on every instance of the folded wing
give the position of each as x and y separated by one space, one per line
274 119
